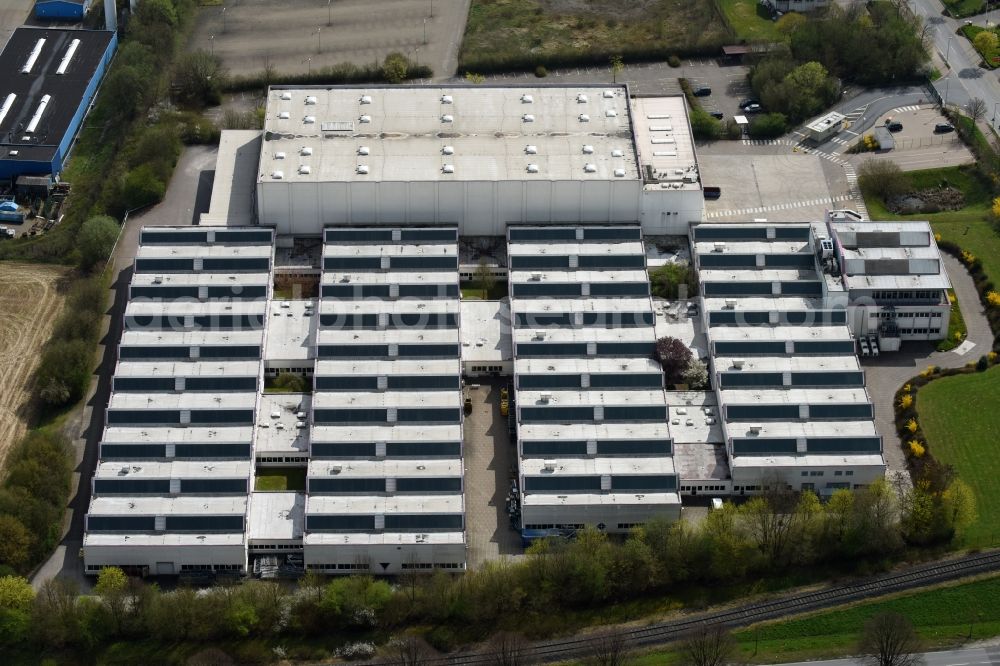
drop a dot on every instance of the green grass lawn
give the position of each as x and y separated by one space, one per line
961 8
751 21
495 293
959 415
991 57
280 478
957 330
941 616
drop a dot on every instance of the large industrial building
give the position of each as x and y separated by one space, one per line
50 78
339 246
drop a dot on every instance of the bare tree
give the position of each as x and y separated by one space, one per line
976 108
508 649
609 648
889 640
408 650
712 645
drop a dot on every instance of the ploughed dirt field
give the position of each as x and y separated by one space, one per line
29 304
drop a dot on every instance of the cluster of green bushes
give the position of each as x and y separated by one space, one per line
793 90
674 280
33 500
703 126
396 68
768 535
988 294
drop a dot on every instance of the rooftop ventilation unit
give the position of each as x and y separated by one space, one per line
755 429
305 169
73 46
35 119
309 120
720 246
539 335
306 151
738 363
584 118
363 150
527 99
365 99
365 119
447 118
545 397
447 99
277 175
448 168
286 95
590 168
531 150
336 469
588 150
448 150
581 98
619 173
279 155
362 169
310 100
33 56
731 303
608 94
527 118
617 152
532 168
825 244
549 465
284 115
536 277
611 113
7 104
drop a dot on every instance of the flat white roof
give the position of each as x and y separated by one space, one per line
527 334
393 307
338 277
162 539
276 516
577 276
663 141
486 331
608 398
801 333
754 247
764 303
796 429
386 469
787 363
411 132
179 308
183 401
375 368
883 226
825 122
553 305
390 336
796 396
165 506
383 538
390 249
592 431
615 466
194 338
174 469
694 418
578 366
192 368
701 460
398 399
203 251
756 275
235 179
199 279
279 434
187 435
291 330
561 498
809 461
575 248
932 282
387 504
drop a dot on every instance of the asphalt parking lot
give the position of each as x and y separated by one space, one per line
917 145
13 14
728 83
297 36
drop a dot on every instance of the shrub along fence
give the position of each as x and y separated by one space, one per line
988 294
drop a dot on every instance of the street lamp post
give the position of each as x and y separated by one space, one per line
211 40
329 12
319 44
432 8
995 105
223 19
948 52
425 31
309 62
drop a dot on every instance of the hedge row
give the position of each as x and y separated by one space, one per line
528 62
342 74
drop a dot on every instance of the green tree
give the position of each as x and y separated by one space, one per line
959 505
710 646
64 372
882 178
16 597
617 65
674 280
888 639
395 68
674 357
141 187
986 42
15 543
768 126
790 22
198 79
703 126
291 382
484 278
96 239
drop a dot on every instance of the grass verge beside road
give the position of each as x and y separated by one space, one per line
963 8
750 21
959 417
957 330
989 56
943 616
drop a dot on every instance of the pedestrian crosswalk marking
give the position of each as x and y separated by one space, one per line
822 201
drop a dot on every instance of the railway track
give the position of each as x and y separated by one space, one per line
741 616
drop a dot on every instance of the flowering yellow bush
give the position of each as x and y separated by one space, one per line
951 297
907 388
911 425
928 371
917 449
993 298
958 335
937 237
996 207
991 357
906 401
967 257
871 143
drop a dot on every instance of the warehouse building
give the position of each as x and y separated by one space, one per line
479 157
593 442
791 394
50 78
172 489
61 10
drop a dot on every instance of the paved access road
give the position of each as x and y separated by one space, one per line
988 656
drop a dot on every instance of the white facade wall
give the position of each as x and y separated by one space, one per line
744 475
610 515
671 212
393 555
480 208
163 559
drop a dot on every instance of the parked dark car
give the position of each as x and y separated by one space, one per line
747 102
702 91
718 115
712 192
943 128
753 108
894 126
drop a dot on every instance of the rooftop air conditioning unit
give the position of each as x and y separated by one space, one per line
284 115
532 168
531 150
309 120
588 149
448 150
527 99
590 168
364 150
286 95
584 118
581 98
448 168
310 100
366 99
447 118
738 363
826 246
158 279
362 169
539 335
617 152
619 173
549 465
536 277
446 99
731 303
720 246
545 397
527 118
756 428
336 469
306 151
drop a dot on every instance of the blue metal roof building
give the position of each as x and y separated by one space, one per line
61 10
48 78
